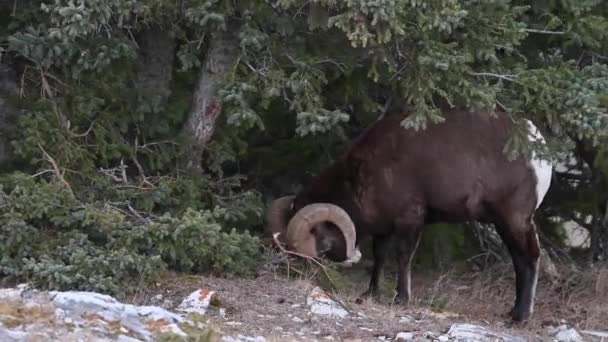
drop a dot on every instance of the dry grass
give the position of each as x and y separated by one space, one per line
577 298
13 314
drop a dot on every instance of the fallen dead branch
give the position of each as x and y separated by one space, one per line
306 257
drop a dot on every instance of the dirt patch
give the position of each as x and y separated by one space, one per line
274 306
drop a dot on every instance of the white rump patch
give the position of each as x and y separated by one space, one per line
542 167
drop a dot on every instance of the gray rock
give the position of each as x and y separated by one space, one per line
134 318
81 316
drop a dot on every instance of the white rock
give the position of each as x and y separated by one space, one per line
569 335
471 332
10 293
60 315
23 286
443 338
406 319
7 335
198 301
124 338
321 304
596 333
404 336
297 319
241 338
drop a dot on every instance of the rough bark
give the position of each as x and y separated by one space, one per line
8 88
206 105
599 235
154 72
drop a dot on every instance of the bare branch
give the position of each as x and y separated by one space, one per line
80 135
56 170
145 146
545 32
510 78
121 170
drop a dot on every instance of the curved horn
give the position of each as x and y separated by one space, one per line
278 216
300 237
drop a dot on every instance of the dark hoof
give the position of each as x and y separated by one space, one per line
401 300
519 315
366 295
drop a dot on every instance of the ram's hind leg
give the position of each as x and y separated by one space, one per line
519 235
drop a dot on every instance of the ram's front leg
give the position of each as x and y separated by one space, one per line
380 244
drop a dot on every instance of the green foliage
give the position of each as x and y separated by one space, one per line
51 239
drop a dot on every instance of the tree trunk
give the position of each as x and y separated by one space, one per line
154 71
8 88
206 105
604 233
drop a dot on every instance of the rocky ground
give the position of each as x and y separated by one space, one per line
268 308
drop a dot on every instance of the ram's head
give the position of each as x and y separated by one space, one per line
314 229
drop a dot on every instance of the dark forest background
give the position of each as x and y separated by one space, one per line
138 136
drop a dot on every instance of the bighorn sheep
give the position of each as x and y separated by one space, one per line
394 180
